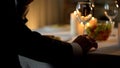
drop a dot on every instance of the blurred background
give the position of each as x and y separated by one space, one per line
51 12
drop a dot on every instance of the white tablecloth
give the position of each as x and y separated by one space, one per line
109 46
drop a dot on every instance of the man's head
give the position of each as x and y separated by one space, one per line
23 2
22 7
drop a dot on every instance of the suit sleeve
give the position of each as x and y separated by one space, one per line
38 47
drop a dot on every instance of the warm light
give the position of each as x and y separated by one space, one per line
80 28
76 26
93 22
87 25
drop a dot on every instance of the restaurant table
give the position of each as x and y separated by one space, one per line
110 46
107 54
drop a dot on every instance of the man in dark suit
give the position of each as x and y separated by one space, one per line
22 41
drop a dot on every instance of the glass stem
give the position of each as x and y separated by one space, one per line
84 31
110 20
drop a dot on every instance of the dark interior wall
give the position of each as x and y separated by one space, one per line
69 7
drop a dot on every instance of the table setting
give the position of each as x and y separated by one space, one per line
82 21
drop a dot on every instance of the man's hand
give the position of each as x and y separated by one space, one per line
86 43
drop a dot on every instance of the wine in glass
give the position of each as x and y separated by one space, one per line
84 12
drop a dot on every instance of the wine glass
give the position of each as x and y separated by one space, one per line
111 9
84 12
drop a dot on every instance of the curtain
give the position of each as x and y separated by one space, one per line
45 12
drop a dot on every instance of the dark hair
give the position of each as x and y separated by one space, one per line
23 2
21 6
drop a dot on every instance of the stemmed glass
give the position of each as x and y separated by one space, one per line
84 12
111 9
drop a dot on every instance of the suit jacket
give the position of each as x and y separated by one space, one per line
18 39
